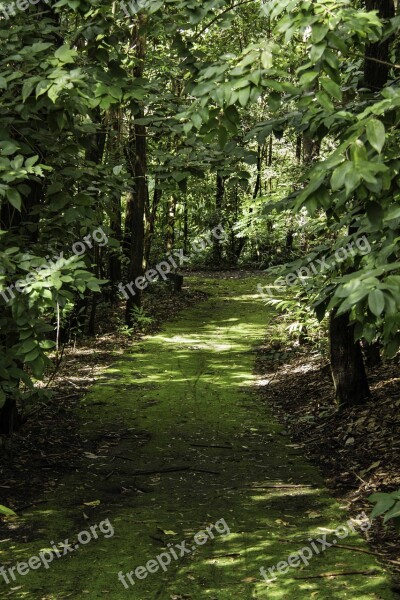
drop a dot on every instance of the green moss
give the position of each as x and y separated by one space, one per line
187 387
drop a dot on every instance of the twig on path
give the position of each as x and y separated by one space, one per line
167 469
340 574
200 470
211 446
155 471
335 546
279 486
357 549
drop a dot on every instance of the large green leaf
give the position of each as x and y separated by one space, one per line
7 511
376 302
376 134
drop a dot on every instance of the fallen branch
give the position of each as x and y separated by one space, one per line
200 470
211 446
155 471
357 549
278 487
340 574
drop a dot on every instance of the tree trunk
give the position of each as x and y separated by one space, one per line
9 417
376 72
151 222
219 199
138 199
170 223
372 352
115 266
185 227
349 377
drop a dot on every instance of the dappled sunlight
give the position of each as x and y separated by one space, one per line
184 400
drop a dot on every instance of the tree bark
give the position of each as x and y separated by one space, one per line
151 222
138 199
347 362
219 199
348 371
376 74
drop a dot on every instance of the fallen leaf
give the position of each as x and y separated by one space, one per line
92 504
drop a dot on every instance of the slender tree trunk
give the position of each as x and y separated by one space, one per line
115 266
258 186
299 147
185 227
219 199
151 222
170 223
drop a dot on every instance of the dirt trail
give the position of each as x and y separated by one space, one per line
186 400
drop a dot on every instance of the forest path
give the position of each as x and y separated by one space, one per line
186 399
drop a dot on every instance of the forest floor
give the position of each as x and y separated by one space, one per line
172 440
358 448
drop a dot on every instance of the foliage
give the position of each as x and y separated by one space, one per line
6 511
387 504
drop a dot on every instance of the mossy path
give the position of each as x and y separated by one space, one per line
186 399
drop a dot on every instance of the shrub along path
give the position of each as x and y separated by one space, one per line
180 442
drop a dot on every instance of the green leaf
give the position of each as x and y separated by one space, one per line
325 101
65 54
393 512
308 77
8 148
244 96
332 88
319 32
3 83
384 502
376 302
267 59
14 198
222 136
392 213
7 511
339 175
376 134
32 356
28 345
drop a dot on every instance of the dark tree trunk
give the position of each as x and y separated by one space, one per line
9 417
151 222
376 69
289 239
299 147
258 186
372 353
347 362
138 200
115 267
219 200
348 371
185 227
170 223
